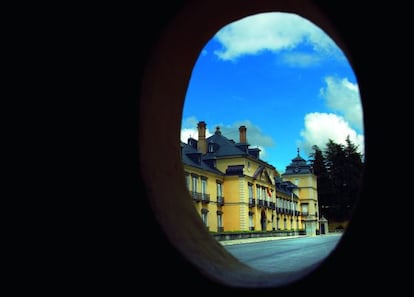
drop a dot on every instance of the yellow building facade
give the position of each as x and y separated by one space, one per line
234 190
300 174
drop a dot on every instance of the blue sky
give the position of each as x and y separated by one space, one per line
284 79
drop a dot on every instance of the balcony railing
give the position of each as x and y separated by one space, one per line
252 202
220 200
205 198
196 196
286 210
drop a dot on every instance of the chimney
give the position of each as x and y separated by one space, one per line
242 131
202 142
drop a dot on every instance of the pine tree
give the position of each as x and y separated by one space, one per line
325 190
339 172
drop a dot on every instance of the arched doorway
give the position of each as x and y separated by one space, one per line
263 220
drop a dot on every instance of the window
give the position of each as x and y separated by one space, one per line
220 199
305 209
250 187
258 192
219 221
219 190
251 224
187 181
251 198
211 147
204 217
203 188
194 183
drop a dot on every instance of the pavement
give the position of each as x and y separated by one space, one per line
258 239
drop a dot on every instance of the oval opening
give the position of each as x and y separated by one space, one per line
267 79
171 202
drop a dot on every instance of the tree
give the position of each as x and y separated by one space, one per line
339 173
353 178
318 163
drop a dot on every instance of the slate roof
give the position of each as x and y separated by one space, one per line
192 157
218 146
298 166
235 170
224 147
285 187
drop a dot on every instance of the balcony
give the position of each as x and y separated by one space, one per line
220 200
196 196
205 198
252 202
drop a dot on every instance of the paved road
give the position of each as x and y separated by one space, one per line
284 254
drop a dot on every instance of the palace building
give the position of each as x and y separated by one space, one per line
234 190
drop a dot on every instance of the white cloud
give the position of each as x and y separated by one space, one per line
273 32
190 122
320 127
343 97
191 132
254 134
189 129
300 59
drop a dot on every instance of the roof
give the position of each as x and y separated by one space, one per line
224 147
298 166
218 146
285 187
192 157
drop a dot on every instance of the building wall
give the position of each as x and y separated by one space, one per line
222 164
233 205
308 193
206 208
237 212
292 219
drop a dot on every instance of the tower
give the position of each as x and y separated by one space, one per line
301 174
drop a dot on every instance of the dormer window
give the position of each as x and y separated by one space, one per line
211 147
192 142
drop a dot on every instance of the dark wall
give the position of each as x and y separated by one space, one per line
105 56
